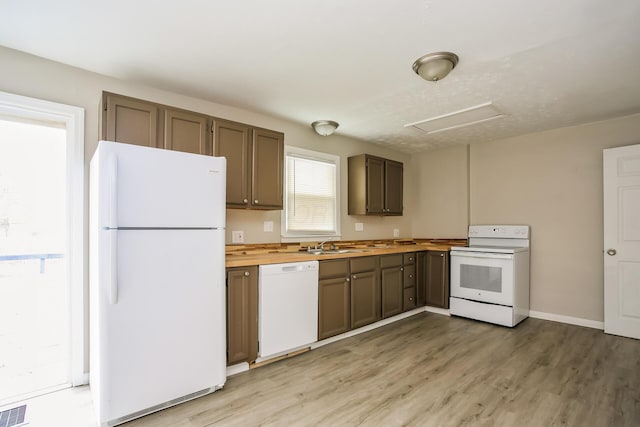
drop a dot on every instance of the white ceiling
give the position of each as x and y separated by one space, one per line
544 63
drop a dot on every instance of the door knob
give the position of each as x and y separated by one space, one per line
611 252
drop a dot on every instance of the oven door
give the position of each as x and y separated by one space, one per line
480 276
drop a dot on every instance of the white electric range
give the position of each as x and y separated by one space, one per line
490 277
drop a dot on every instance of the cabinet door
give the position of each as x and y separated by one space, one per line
421 278
242 315
333 307
393 187
231 140
375 185
392 292
365 299
267 169
409 301
437 275
130 121
188 132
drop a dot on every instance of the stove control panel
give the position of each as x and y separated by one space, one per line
499 231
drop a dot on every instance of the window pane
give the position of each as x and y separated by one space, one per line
311 195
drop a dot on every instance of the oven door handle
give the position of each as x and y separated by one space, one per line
481 255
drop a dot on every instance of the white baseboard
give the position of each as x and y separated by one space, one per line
236 369
567 319
378 324
367 328
436 310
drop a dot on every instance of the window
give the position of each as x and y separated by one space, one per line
311 195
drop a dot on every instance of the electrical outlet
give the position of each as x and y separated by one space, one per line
396 232
359 226
268 226
237 236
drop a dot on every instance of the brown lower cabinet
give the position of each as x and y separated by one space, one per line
433 278
365 291
348 295
391 275
409 281
334 299
242 314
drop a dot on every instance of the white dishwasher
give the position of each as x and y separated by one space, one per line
287 307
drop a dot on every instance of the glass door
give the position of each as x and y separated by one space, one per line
34 284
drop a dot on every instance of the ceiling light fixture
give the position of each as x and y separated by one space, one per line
435 66
324 127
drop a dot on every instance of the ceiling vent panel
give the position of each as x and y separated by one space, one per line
466 117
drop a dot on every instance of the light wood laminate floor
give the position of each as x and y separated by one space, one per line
432 370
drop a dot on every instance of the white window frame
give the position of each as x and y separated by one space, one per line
73 119
288 236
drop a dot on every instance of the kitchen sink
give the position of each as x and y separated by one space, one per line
334 251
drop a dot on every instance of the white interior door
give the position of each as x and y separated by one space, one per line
622 241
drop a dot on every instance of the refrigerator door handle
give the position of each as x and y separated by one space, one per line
113 266
112 178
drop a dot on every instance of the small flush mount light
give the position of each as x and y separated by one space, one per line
324 127
435 66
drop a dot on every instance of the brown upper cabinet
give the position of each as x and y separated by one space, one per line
255 164
138 122
186 131
375 186
129 120
255 156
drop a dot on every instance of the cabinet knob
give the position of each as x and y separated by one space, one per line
246 273
410 298
347 279
410 258
411 276
401 268
245 200
441 254
355 277
256 201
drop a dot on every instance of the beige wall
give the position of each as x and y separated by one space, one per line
440 197
553 182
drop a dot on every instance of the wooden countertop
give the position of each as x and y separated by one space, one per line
247 256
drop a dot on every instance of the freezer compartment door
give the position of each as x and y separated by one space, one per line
164 337
151 187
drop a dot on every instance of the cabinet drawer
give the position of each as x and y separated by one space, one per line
334 268
409 299
409 278
363 264
409 258
390 260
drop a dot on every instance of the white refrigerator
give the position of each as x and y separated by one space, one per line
157 284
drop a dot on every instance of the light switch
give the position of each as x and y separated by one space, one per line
359 226
268 226
396 232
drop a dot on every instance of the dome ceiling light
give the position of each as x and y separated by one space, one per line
435 66
324 127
